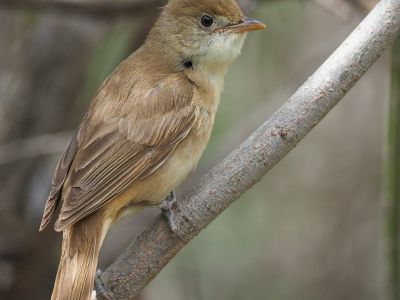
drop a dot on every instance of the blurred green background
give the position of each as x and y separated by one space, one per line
313 228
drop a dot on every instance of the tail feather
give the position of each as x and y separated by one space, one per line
80 249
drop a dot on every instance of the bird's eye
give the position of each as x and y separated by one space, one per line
207 21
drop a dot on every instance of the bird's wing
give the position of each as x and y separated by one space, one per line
59 176
116 152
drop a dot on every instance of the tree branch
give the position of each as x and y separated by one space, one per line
224 184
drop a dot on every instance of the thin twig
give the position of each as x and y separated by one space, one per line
342 8
103 7
226 182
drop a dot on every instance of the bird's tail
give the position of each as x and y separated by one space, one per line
79 255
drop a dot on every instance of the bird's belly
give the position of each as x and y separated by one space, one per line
176 169
152 190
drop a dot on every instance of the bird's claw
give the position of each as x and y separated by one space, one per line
166 207
101 292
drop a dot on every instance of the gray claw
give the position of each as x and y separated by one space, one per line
101 292
166 206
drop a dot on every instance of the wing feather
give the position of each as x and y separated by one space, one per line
115 152
60 174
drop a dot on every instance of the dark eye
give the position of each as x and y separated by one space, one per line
207 21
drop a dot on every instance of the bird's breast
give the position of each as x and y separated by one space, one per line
181 163
186 155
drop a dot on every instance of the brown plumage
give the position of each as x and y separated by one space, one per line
144 132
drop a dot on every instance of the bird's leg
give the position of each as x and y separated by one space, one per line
166 207
101 292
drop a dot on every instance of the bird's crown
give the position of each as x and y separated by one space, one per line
224 8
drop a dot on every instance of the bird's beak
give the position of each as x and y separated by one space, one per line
245 25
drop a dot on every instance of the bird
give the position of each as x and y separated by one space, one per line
144 132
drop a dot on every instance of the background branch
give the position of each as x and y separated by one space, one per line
105 7
342 8
90 6
224 184
34 147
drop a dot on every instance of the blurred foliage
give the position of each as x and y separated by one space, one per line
108 53
393 175
312 228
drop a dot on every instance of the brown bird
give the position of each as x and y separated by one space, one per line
144 132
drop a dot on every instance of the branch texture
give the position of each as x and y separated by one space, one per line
226 182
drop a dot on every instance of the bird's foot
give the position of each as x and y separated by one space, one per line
101 292
166 207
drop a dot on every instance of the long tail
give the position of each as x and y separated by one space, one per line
79 255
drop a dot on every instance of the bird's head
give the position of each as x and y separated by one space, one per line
198 31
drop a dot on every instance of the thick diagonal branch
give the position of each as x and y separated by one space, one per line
224 184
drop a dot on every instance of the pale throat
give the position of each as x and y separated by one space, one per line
209 81
209 70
